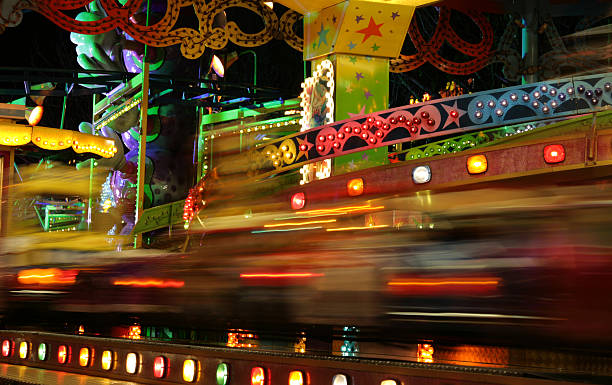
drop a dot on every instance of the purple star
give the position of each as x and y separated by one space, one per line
334 19
358 18
367 94
394 15
358 75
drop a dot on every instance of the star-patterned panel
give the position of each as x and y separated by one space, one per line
374 29
321 30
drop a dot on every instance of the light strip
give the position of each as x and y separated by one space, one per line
358 228
428 282
300 223
471 315
283 230
282 275
342 210
149 283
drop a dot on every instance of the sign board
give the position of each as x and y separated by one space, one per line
159 217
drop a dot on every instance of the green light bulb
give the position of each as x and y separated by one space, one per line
42 351
222 374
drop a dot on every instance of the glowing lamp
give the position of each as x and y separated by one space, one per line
42 351
6 348
355 187
388 382
217 66
35 115
159 367
131 363
222 374
107 360
296 378
189 370
421 174
258 376
477 164
298 200
62 354
339 379
84 357
23 349
554 153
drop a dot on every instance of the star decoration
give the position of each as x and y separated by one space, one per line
323 35
375 47
372 29
358 19
351 165
394 15
334 19
358 75
353 59
367 94
348 89
361 112
307 144
457 112
351 45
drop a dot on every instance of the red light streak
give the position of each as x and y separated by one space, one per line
452 281
282 275
149 282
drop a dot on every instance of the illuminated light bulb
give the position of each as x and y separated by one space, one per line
431 122
499 112
413 129
380 134
364 135
364 126
340 379
354 187
393 121
526 97
340 135
258 376
504 103
356 130
477 164
421 174
107 360
491 104
401 119
416 120
222 374
303 147
580 89
479 104
385 126
23 349
189 370
321 138
6 348
35 116
131 363
513 97
336 145
388 382
217 66
370 120
298 201
159 367
554 153
84 357
320 148
296 378
330 137
378 123
478 114
536 95
544 89
454 114
424 114
62 354
38 139
570 90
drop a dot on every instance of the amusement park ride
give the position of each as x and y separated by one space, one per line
477 216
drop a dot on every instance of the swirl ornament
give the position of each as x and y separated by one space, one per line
163 33
429 51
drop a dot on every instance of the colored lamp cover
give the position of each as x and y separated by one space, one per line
388 382
340 379
298 201
35 115
355 187
84 357
131 363
107 360
222 374
23 349
554 153
258 376
159 367
189 370
62 354
6 348
477 164
296 378
421 174
42 351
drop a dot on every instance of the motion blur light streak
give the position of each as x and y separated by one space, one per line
300 223
282 275
358 228
285 230
47 276
342 210
150 282
458 281
469 315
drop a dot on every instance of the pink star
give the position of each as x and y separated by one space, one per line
361 112
454 114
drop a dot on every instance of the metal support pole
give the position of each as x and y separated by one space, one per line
142 150
530 46
64 113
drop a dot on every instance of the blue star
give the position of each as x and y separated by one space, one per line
394 15
323 36
358 18
351 45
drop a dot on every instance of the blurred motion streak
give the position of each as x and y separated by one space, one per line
149 282
448 286
282 275
285 230
300 223
341 210
358 228
47 277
